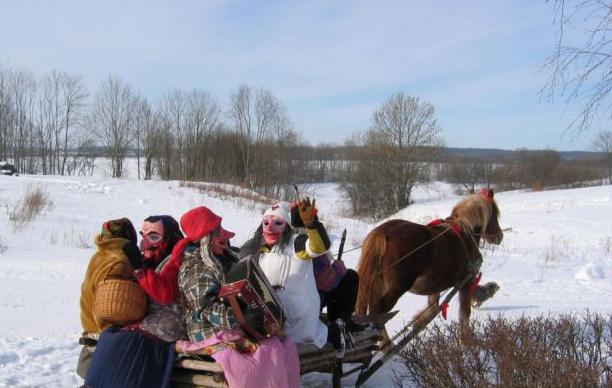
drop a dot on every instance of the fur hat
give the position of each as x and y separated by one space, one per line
279 210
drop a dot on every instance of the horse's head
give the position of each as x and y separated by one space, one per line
478 214
492 232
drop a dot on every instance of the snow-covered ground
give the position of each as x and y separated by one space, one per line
555 257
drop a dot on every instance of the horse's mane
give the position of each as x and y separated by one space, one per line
473 212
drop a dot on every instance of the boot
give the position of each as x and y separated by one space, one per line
348 337
335 335
354 327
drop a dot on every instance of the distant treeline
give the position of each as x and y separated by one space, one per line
52 125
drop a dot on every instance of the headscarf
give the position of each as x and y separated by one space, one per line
120 228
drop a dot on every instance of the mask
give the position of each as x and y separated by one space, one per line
219 240
273 228
152 247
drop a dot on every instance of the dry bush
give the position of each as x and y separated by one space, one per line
78 238
34 201
558 250
223 191
554 351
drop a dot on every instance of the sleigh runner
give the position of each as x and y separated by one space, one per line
199 370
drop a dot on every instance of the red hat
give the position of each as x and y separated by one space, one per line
199 222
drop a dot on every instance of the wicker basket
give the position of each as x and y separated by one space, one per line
119 302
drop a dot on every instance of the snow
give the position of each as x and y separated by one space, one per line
555 257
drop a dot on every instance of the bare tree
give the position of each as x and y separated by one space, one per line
6 111
60 107
398 147
174 109
203 115
74 97
111 119
241 117
603 144
142 114
582 71
23 95
257 117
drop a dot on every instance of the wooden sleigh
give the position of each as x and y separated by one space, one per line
366 358
202 371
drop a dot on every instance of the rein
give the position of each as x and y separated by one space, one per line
423 245
451 227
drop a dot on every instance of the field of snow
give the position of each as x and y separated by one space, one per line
555 257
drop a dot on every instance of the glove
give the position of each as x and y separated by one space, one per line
308 211
254 318
133 255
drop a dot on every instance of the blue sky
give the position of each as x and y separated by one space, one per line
331 63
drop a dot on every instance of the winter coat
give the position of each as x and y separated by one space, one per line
109 262
328 272
160 286
291 268
200 278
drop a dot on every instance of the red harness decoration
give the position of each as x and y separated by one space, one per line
474 284
444 307
486 194
454 227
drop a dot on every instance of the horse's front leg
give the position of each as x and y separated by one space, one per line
465 310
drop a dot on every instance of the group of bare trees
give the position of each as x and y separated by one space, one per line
525 169
49 125
39 117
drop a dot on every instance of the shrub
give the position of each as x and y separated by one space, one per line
34 201
241 196
78 238
525 352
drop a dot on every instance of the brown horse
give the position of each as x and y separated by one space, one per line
399 256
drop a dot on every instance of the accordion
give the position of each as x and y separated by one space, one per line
247 287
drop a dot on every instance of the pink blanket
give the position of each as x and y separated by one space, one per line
275 363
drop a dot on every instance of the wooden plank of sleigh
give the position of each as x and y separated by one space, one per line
198 370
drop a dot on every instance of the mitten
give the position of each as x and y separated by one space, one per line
133 255
308 211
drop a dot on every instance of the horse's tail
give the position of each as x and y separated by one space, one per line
369 269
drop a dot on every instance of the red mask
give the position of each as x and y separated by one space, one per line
152 247
273 228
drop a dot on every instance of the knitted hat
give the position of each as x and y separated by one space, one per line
279 210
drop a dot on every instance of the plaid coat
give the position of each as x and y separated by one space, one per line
200 279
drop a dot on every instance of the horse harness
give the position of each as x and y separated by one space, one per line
473 263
